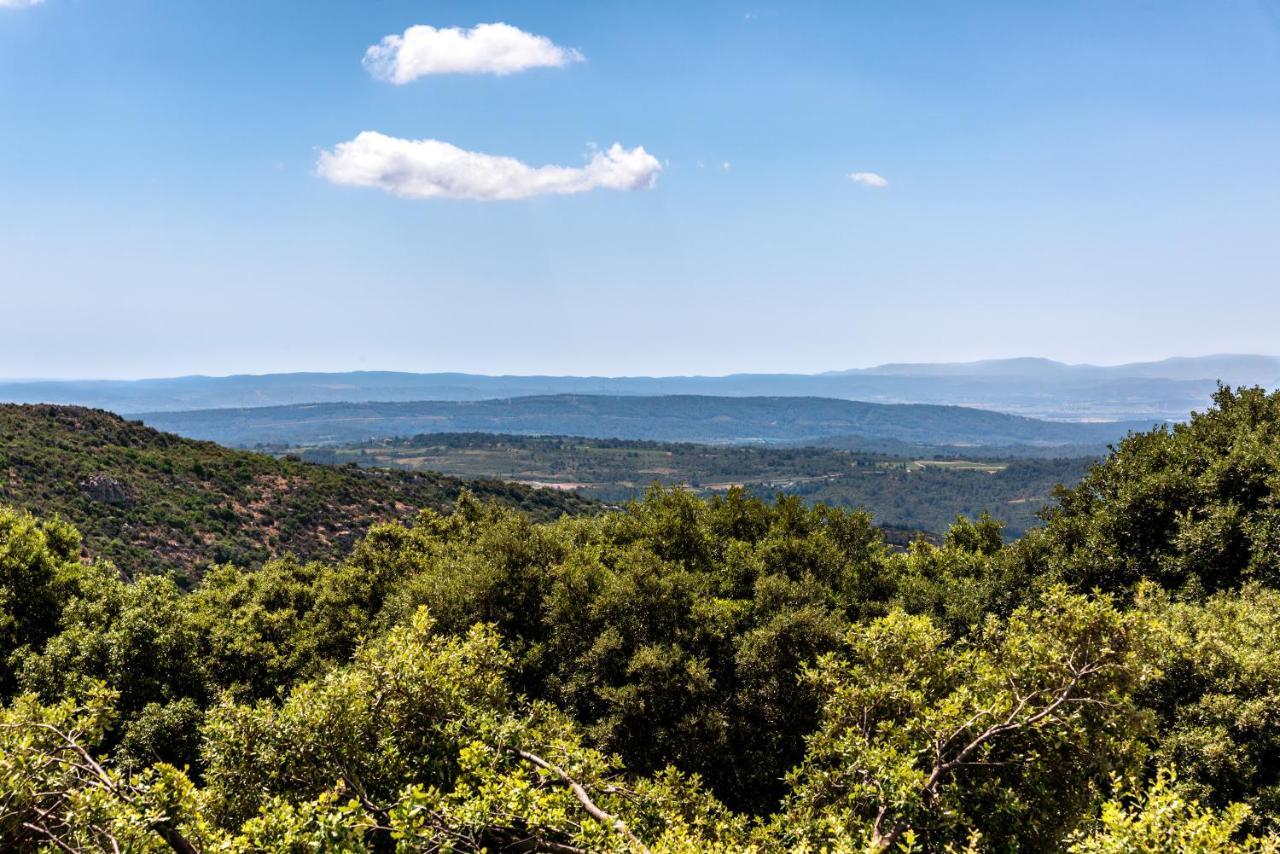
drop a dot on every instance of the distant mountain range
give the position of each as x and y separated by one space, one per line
1040 388
680 418
1235 369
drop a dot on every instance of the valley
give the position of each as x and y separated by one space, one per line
903 494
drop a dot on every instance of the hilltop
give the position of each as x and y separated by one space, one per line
151 501
673 418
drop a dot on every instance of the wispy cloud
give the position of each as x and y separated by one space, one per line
484 49
18 4
868 179
429 168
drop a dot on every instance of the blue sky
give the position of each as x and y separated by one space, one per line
1088 181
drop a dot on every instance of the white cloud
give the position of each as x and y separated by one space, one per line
18 4
868 179
429 168
484 49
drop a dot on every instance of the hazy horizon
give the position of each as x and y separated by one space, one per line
537 188
636 375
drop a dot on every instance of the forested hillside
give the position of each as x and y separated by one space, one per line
685 675
152 501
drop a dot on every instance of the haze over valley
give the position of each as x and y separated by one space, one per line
1038 388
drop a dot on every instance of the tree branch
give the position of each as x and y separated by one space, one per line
92 774
607 819
882 840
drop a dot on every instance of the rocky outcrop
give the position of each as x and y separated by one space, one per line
106 490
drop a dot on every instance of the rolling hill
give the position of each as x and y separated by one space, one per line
677 418
152 501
